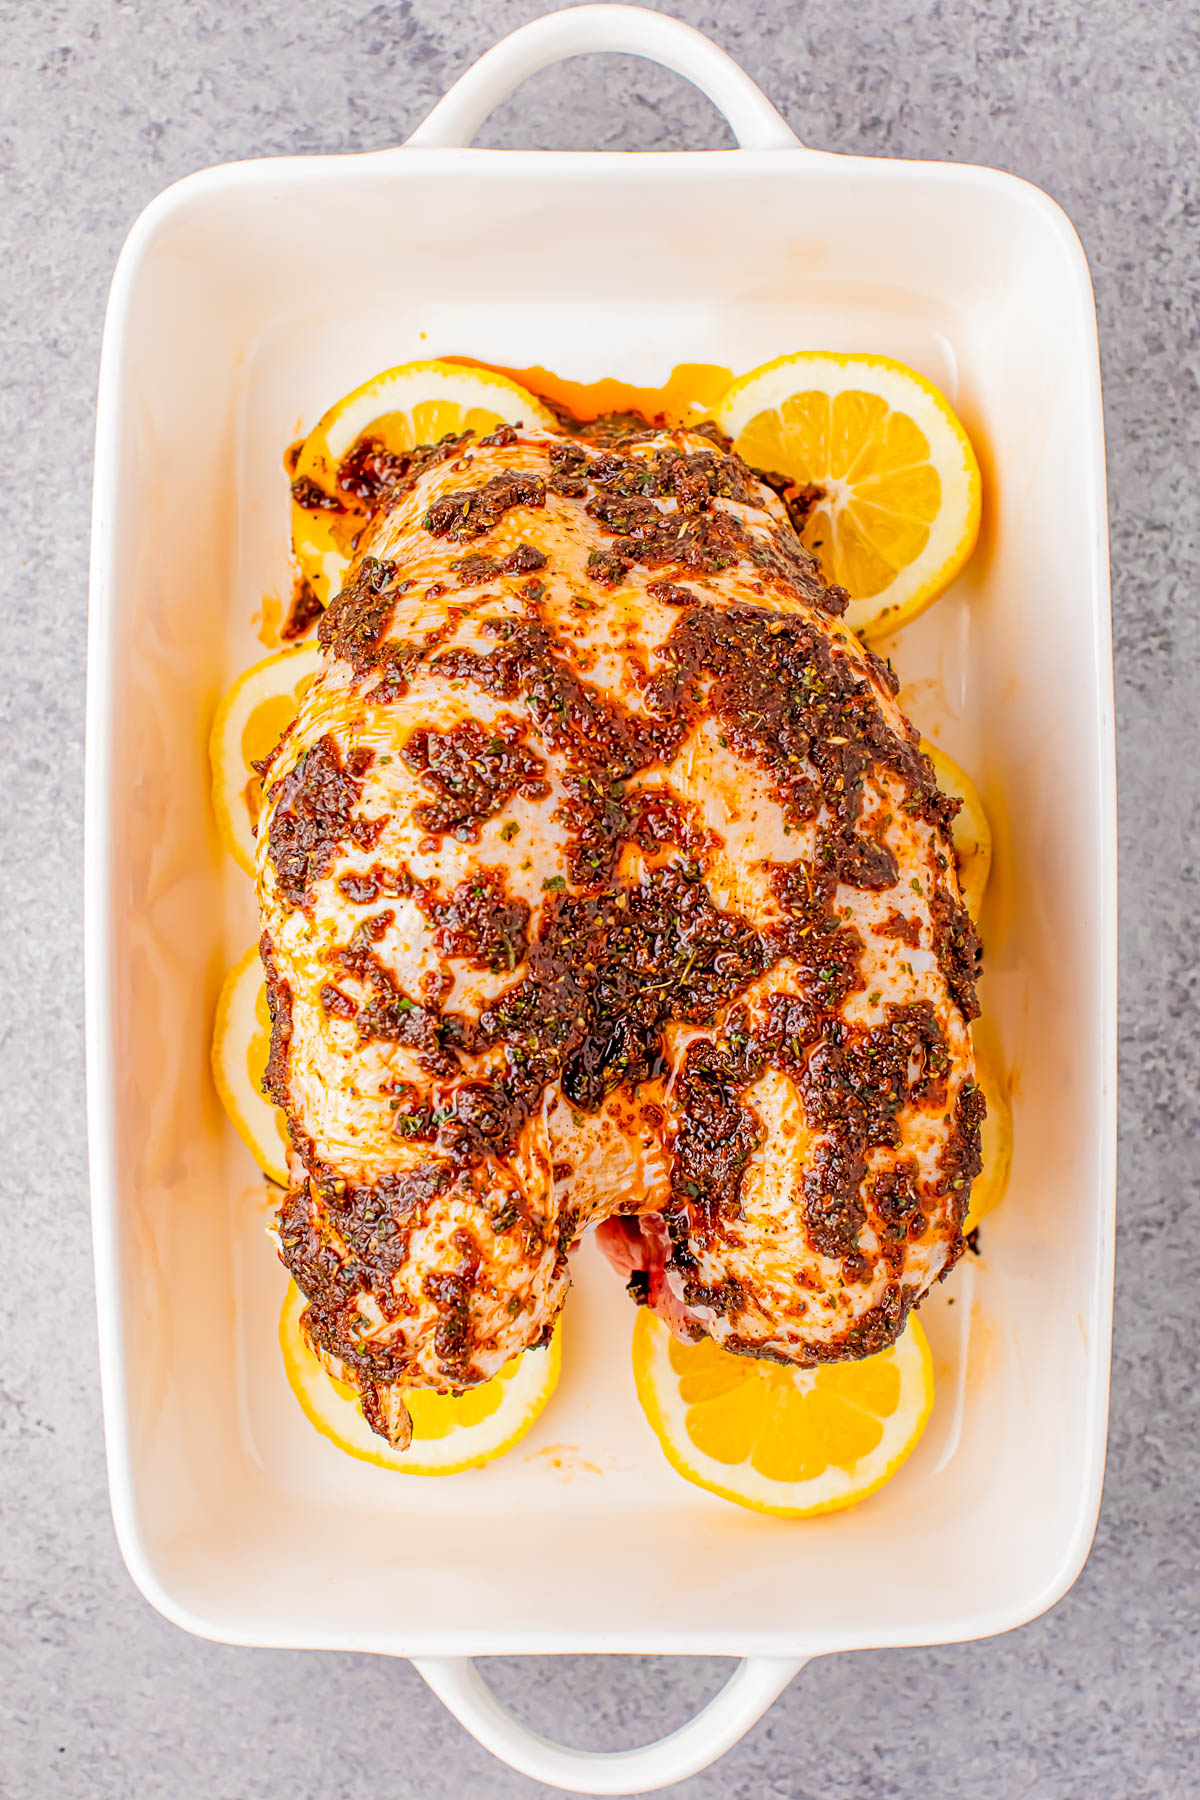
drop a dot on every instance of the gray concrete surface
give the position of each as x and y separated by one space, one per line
104 103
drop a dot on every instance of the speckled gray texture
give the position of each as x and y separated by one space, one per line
104 104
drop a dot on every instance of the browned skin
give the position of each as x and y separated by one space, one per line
638 989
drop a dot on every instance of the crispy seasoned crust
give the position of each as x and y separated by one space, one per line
601 874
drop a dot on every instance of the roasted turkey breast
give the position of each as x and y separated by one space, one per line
603 881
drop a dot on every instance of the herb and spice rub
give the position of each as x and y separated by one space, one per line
603 882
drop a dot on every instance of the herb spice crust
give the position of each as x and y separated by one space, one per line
603 882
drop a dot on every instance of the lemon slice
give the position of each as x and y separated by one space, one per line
417 403
780 1440
240 1046
250 721
450 1431
897 512
971 832
996 1135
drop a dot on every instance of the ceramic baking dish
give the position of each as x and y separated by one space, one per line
246 299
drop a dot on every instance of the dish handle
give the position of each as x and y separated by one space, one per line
754 1685
580 30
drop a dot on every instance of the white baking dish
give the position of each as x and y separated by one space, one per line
246 299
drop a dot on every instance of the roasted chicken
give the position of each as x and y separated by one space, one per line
603 882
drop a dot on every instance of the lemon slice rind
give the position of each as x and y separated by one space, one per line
954 529
971 833
433 398
988 1188
528 1382
274 678
259 1124
831 1491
